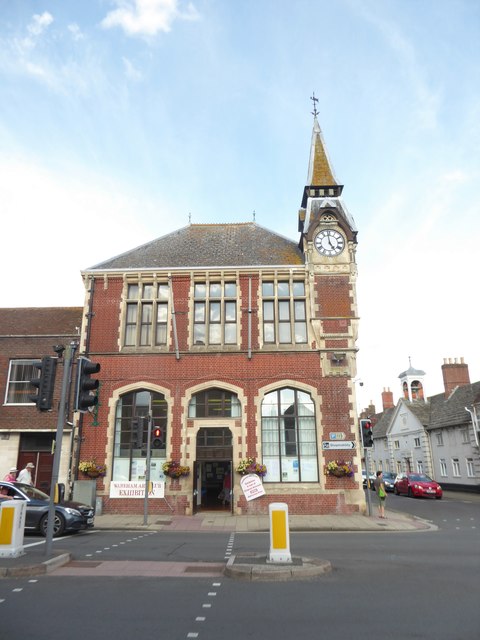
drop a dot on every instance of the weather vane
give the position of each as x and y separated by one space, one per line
314 100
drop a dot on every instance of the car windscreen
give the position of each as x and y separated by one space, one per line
419 478
32 492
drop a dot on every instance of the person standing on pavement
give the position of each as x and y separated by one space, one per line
379 485
11 475
25 475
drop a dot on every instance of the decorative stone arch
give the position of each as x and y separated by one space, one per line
191 426
280 384
112 409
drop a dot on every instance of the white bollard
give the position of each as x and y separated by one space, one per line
279 533
12 524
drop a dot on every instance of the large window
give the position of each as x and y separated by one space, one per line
284 312
146 318
289 441
131 434
214 403
19 376
215 313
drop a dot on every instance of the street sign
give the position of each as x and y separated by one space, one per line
336 435
346 444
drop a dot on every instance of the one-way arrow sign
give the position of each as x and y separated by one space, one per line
338 444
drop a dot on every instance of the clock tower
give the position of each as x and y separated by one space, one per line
328 241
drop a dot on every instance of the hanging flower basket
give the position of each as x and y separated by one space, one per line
92 469
174 469
250 466
339 469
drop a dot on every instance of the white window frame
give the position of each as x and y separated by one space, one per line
456 468
443 468
24 382
470 467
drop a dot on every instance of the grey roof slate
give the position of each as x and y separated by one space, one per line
210 245
449 412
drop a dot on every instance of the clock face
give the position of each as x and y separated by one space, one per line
329 242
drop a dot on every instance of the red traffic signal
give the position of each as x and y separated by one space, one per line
157 442
367 433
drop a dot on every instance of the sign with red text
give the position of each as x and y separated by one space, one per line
129 489
252 486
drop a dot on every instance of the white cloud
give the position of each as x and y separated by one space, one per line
40 23
147 17
75 31
131 71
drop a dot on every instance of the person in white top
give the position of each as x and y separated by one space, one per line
25 475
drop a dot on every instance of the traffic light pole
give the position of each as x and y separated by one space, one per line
147 468
67 367
367 467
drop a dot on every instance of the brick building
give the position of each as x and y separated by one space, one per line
233 342
26 335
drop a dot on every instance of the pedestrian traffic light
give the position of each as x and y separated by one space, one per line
157 442
45 383
85 396
367 433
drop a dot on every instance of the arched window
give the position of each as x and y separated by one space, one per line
214 403
289 440
131 433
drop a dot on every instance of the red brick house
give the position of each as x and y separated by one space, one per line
235 343
26 435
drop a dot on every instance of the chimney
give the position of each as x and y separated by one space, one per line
387 399
455 374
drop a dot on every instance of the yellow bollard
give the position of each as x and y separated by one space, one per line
279 533
12 523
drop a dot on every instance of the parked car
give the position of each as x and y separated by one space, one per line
417 485
388 480
69 516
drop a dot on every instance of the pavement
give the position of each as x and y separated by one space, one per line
34 561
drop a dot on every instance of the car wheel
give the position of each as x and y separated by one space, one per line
58 525
396 491
410 494
438 497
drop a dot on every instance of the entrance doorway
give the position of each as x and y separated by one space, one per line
212 487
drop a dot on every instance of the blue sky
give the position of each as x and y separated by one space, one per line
119 119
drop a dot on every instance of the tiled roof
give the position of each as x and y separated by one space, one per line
449 412
210 245
38 321
437 413
381 423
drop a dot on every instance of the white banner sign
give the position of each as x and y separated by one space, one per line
252 486
126 489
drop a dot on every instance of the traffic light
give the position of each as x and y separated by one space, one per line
45 383
84 398
157 441
137 433
367 433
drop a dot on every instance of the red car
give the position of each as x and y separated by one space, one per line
417 485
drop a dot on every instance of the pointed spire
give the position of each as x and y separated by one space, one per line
320 172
